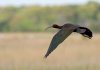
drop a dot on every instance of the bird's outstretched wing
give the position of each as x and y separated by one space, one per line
58 38
86 32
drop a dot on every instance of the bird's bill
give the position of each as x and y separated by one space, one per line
48 27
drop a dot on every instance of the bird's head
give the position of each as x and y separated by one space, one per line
55 26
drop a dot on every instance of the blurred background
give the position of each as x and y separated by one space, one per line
24 40
35 15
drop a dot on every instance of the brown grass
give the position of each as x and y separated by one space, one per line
25 51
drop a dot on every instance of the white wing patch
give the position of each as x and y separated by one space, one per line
80 30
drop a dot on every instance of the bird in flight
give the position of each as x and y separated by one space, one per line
65 31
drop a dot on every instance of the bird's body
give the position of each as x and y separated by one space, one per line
64 32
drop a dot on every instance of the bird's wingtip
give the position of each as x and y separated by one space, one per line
45 56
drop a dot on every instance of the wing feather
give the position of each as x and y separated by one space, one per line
58 38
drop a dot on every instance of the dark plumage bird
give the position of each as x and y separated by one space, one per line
64 32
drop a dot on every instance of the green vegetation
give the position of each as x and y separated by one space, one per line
37 18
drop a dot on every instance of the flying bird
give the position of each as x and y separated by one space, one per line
64 32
